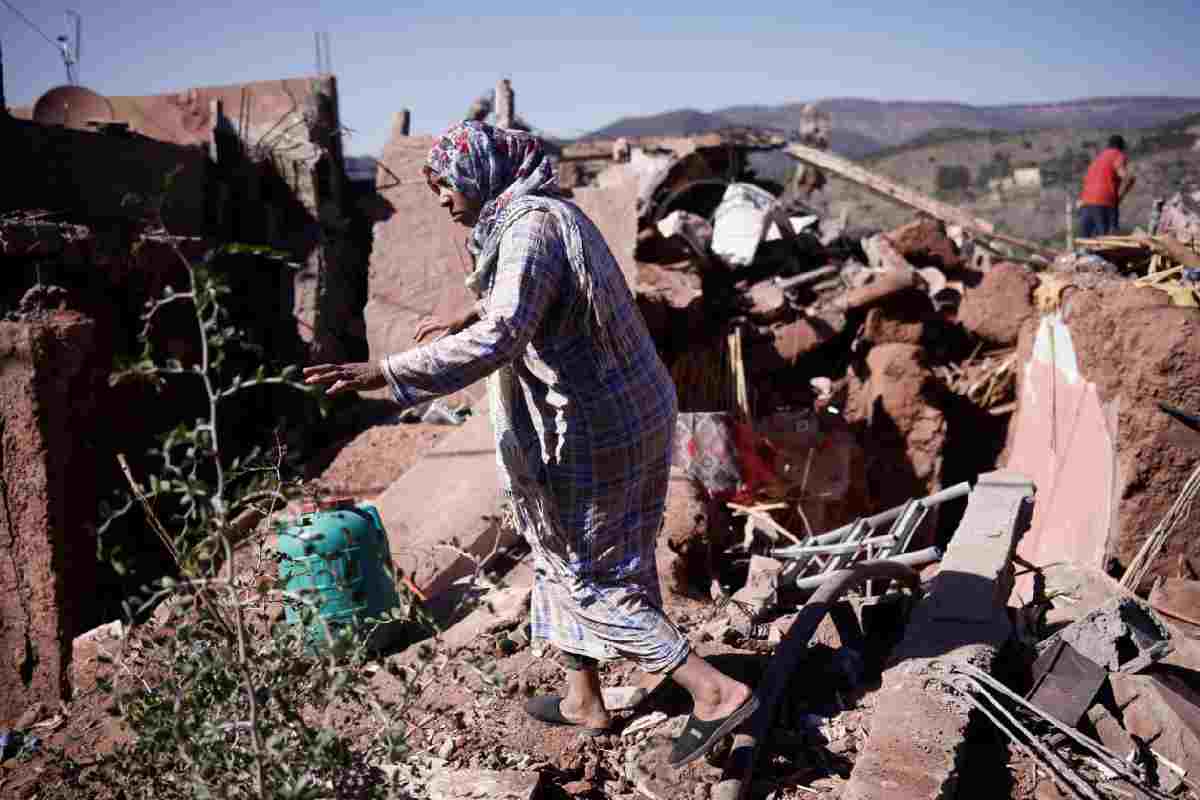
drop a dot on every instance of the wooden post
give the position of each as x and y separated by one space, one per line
506 104
401 121
1070 224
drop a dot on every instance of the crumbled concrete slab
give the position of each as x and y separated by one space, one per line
1079 591
1114 635
919 731
443 513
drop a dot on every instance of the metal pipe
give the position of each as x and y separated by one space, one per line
837 534
916 560
739 767
842 547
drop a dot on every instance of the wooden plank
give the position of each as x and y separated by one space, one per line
888 188
892 190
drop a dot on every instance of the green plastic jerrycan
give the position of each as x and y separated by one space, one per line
337 559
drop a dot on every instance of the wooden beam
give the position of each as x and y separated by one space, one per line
892 190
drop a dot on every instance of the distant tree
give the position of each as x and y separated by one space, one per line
952 178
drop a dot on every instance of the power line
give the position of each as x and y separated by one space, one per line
29 22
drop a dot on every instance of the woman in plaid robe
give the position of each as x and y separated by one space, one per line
583 411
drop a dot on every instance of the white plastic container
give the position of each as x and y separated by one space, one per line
739 223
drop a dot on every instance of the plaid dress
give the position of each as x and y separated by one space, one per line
596 430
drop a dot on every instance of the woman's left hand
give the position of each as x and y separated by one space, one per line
359 377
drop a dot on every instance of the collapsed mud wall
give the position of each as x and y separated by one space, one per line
1109 463
419 259
49 375
258 163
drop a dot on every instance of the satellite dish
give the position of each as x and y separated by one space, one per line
72 107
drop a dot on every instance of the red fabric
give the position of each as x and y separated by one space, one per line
1100 183
756 469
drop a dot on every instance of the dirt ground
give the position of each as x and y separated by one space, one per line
471 726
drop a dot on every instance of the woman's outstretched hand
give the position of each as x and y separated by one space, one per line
434 328
359 377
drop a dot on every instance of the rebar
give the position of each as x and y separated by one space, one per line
1110 759
1062 774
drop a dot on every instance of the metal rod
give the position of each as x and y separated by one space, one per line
842 547
1110 759
907 525
739 766
1040 755
1055 759
836 535
930 555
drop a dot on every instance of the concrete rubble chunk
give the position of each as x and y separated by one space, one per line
768 303
1115 635
918 733
499 609
621 698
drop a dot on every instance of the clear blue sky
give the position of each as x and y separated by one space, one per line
575 69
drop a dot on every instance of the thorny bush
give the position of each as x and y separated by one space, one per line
219 696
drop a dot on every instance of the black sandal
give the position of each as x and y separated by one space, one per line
547 709
699 736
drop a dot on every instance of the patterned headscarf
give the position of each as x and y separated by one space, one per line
493 166
510 174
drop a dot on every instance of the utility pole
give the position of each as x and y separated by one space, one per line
3 105
69 49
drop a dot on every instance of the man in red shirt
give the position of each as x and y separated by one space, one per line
1106 183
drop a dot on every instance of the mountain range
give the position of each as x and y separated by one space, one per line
862 127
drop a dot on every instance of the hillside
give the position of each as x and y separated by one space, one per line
861 127
957 165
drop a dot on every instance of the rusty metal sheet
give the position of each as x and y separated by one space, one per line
1065 683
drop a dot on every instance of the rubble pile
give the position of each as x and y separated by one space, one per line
823 368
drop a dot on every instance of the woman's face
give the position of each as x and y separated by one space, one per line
463 209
